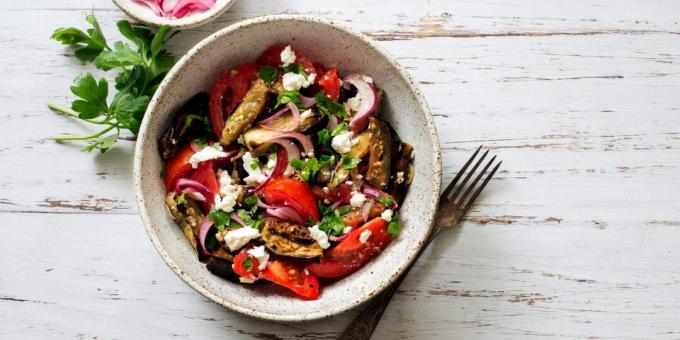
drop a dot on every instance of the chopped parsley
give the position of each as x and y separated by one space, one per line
267 74
344 209
393 227
349 163
251 203
329 107
309 167
295 68
388 201
325 138
332 224
249 219
255 164
247 263
181 199
289 97
220 219
342 127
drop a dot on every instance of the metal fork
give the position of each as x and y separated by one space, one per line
453 204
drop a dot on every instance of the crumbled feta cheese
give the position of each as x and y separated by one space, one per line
368 79
357 199
354 103
246 279
326 201
400 177
287 56
307 114
237 238
226 199
293 81
363 237
320 237
387 215
343 142
349 182
261 255
326 190
306 271
255 176
207 153
346 230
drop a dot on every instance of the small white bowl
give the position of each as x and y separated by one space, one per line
320 40
146 15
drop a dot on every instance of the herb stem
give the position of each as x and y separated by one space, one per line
92 136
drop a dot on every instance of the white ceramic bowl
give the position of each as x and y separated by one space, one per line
146 15
329 43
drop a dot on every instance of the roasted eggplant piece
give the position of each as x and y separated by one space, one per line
245 114
402 170
288 239
362 145
380 160
256 137
221 268
189 122
187 214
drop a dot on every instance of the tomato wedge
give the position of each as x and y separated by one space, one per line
241 270
294 193
330 83
228 92
205 174
177 167
350 254
292 275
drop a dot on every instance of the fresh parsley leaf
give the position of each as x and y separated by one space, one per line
88 45
249 220
247 263
332 224
393 227
251 203
103 144
201 142
325 138
128 110
219 218
289 97
297 164
350 162
92 94
158 41
267 74
324 209
326 160
340 128
122 55
295 68
255 164
344 209
388 201
309 167
329 107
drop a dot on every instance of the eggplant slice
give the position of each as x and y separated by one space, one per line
182 128
402 170
247 111
256 138
287 239
380 157
188 215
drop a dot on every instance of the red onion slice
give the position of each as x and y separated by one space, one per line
287 214
373 192
203 233
291 126
336 205
366 210
307 102
154 5
192 185
183 7
369 100
304 140
277 114
292 152
334 238
281 166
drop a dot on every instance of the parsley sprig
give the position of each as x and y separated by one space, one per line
140 70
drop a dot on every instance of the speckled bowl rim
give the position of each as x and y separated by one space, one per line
365 295
178 23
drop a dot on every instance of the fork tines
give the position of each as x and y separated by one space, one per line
464 200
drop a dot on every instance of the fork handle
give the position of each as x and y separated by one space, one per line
364 324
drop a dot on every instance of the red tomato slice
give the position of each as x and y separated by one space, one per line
294 193
272 57
330 83
350 254
241 270
292 275
177 167
228 92
207 176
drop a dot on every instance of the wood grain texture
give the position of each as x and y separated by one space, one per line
578 237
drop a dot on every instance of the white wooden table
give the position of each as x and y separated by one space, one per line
579 236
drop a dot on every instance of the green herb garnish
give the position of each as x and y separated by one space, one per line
219 218
329 107
388 201
342 127
247 263
141 70
344 209
289 97
325 138
267 74
349 163
181 199
249 219
255 164
295 68
309 167
393 227
332 224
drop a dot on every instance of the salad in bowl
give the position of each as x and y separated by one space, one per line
285 173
